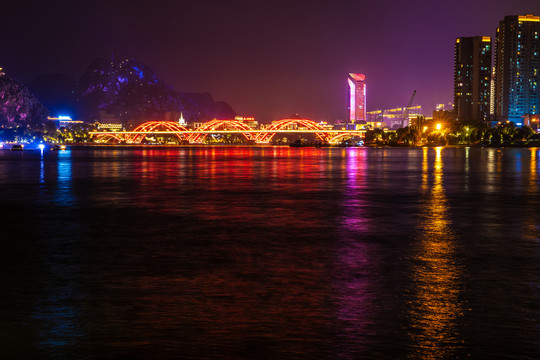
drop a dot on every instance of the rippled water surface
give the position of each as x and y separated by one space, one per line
270 253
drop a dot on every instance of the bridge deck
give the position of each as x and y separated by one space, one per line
359 132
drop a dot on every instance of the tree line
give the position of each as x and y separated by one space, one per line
504 134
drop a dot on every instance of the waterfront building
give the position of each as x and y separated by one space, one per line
417 122
64 121
339 125
444 107
472 78
248 120
109 126
197 124
357 97
326 125
393 118
517 63
109 122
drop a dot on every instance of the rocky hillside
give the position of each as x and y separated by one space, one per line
18 106
127 90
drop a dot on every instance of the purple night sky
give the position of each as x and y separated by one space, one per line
267 59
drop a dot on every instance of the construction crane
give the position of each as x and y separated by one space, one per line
407 109
406 118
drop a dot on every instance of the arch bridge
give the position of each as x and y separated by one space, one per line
197 136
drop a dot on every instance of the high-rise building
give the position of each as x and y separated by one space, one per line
472 78
492 95
517 62
357 97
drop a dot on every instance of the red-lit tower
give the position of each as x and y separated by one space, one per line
357 97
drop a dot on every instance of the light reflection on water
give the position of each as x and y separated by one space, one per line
532 186
354 267
242 252
436 273
531 218
467 169
64 194
57 311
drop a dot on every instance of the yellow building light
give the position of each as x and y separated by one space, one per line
486 39
529 17
457 41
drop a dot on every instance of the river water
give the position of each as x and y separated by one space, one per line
270 253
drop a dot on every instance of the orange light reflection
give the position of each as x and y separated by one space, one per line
435 307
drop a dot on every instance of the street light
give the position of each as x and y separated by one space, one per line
438 126
535 125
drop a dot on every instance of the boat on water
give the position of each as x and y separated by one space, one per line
17 147
58 147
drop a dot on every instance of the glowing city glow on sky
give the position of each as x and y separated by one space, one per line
261 67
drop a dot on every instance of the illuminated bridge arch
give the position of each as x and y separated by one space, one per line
150 126
283 123
338 138
221 124
104 138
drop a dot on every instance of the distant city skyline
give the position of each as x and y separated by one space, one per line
266 59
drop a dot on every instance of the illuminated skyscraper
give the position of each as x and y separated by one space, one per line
357 97
472 78
492 95
517 63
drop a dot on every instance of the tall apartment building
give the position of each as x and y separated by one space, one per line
517 62
472 78
357 97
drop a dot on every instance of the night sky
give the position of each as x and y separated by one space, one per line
267 59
